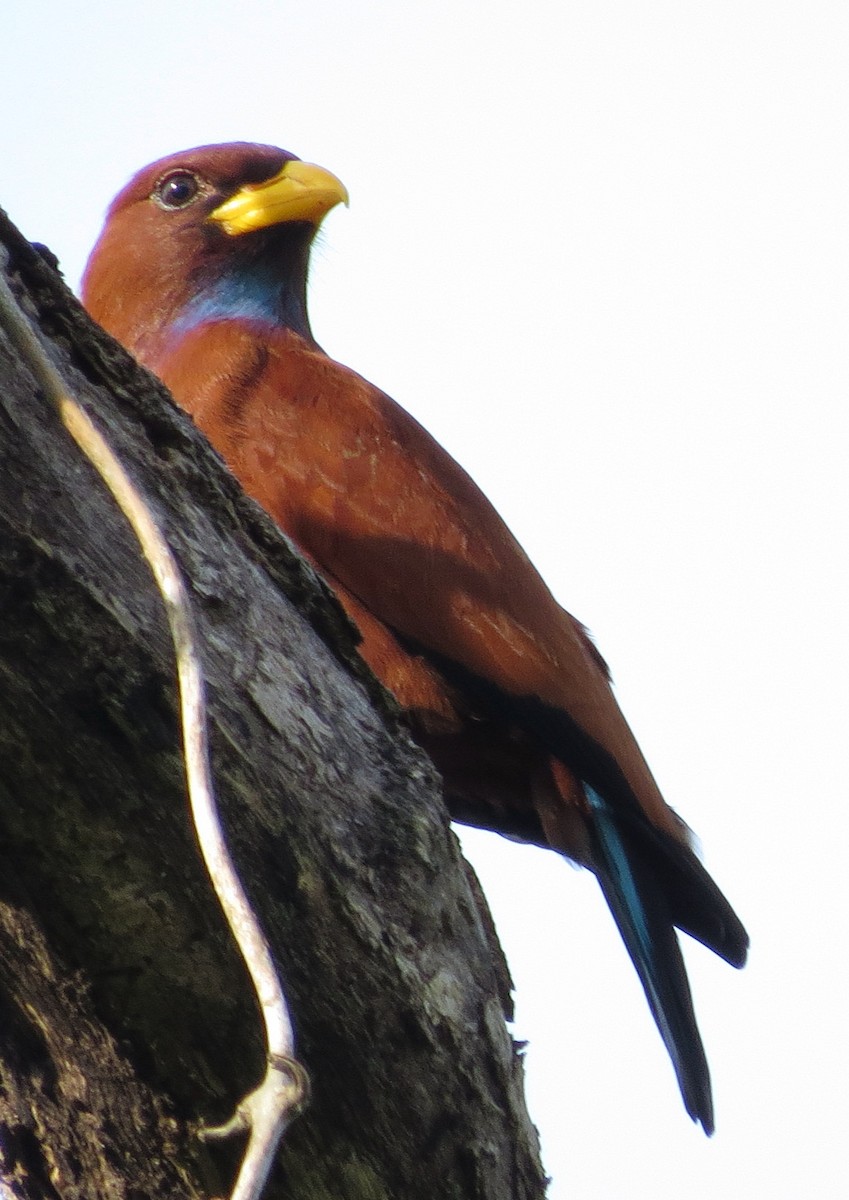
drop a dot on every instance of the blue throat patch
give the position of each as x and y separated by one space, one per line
256 294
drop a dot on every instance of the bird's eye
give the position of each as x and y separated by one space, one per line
177 190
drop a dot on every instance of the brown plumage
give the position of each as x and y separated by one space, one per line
201 272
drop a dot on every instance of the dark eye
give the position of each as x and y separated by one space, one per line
177 190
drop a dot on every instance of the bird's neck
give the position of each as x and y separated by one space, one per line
259 288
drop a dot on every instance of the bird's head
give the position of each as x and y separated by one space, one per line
215 233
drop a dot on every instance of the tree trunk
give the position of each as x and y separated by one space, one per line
126 1013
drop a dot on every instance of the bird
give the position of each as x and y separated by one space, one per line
201 271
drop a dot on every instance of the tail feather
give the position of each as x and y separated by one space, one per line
641 909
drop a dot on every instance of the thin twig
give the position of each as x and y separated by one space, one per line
267 1111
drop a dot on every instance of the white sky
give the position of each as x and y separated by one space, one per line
600 250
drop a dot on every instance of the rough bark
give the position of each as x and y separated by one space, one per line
126 1013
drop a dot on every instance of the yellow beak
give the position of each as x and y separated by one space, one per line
299 192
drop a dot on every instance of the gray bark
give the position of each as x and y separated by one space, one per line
125 1011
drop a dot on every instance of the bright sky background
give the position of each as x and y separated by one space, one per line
600 250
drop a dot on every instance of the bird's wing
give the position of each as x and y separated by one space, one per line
376 502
